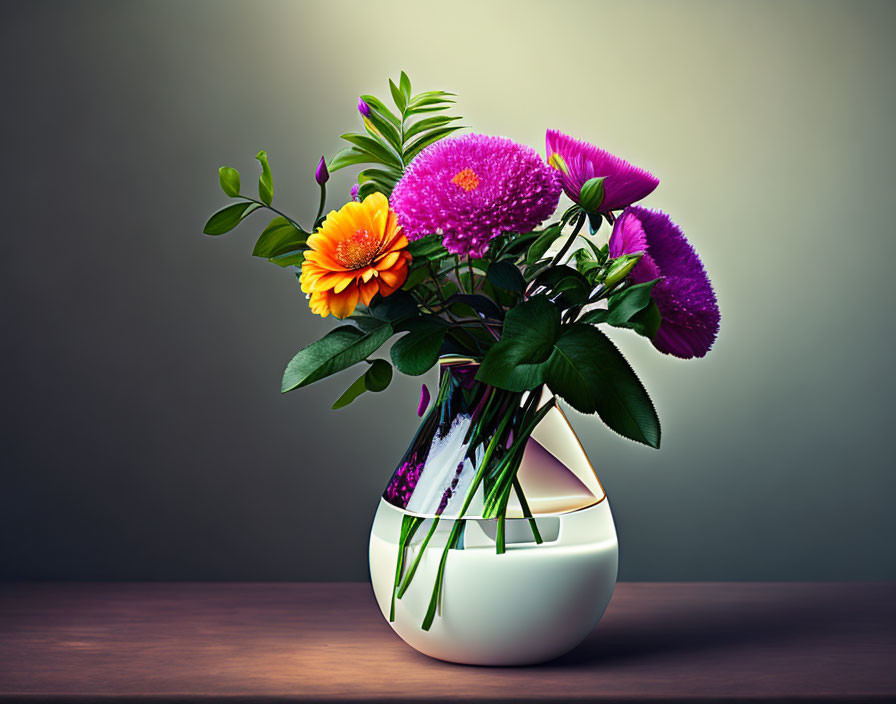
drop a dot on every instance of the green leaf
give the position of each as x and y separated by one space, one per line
426 246
567 281
543 244
577 362
645 322
589 373
418 351
358 387
366 322
382 127
429 95
229 178
593 317
228 218
481 304
335 351
392 308
382 177
417 275
505 275
422 102
429 138
289 259
378 376
401 102
279 237
349 157
371 146
626 304
378 106
428 124
404 85
266 180
518 361
517 244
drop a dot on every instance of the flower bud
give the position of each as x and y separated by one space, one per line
354 192
321 174
363 108
622 267
423 404
591 194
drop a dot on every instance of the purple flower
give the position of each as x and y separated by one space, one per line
423 404
363 108
579 162
354 192
683 294
473 188
321 174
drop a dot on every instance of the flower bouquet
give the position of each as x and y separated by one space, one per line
451 245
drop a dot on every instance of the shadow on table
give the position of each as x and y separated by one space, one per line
694 627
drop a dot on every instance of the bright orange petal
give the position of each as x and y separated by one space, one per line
343 304
368 290
344 283
392 279
368 274
388 261
323 260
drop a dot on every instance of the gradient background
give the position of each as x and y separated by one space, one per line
144 436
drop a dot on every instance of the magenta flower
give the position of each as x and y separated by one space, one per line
473 188
579 162
684 293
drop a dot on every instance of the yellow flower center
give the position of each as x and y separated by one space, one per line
466 179
357 250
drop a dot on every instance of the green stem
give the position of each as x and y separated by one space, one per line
518 488
436 599
500 547
281 214
410 575
409 525
506 467
569 240
323 203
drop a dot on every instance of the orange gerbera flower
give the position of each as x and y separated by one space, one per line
357 252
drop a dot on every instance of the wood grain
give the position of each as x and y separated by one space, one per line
328 642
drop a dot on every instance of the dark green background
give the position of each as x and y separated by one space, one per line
143 434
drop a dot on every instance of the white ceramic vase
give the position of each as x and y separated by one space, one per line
530 604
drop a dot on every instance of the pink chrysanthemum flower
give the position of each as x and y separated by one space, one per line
683 294
578 161
473 188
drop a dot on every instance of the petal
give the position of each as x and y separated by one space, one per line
387 261
392 279
343 304
368 274
628 235
343 283
324 260
368 290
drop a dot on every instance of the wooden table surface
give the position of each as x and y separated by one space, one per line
328 642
